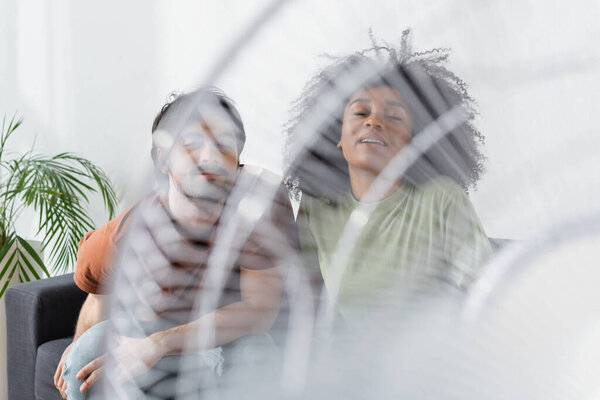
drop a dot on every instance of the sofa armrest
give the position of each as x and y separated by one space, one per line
498 244
37 312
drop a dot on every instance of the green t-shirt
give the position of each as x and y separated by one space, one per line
418 237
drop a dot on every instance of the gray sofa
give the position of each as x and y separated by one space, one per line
40 321
41 318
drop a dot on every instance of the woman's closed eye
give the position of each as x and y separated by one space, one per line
395 117
360 109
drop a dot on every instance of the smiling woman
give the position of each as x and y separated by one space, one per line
418 81
376 126
358 119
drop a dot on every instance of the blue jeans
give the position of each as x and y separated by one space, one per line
194 371
87 348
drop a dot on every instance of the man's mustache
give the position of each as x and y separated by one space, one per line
216 172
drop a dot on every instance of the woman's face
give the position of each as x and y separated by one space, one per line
376 126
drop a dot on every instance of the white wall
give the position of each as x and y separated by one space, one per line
531 66
88 77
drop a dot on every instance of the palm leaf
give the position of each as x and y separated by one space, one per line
3 251
23 277
22 259
11 264
34 256
4 287
58 188
8 131
9 253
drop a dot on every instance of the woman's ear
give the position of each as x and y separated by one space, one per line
339 144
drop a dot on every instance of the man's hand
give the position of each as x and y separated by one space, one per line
91 373
90 315
59 382
136 356
133 357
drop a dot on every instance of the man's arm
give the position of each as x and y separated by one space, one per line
254 314
263 265
89 315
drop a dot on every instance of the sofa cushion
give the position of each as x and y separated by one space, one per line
48 356
499 244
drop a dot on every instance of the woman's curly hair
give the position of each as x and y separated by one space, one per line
313 163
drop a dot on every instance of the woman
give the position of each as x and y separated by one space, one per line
387 133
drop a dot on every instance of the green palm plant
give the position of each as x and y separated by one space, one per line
57 188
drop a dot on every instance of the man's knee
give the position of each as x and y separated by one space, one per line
249 351
87 348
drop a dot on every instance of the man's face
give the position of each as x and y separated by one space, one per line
376 126
203 161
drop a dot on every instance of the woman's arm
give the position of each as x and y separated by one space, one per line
466 246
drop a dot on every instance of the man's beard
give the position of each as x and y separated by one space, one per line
200 189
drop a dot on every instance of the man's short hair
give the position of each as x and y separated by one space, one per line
184 107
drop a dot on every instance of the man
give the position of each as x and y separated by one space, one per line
167 243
